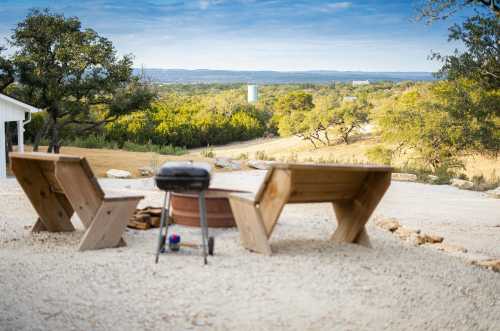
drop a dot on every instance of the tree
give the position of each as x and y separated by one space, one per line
6 71
436 123
349 118
473 73
432 10
73 74
418 127
481 59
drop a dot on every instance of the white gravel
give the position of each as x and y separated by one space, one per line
308 284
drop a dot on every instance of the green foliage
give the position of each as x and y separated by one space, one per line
73 74
380 155
432 124
480 61
349 118
208 152
92 141
417 124
163 150
298 115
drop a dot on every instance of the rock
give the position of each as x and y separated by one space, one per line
260 165
406 234
402 177
433 178
462 184
490 264
146 171
227 163
389 224
115 173
450 248
428 239
494 193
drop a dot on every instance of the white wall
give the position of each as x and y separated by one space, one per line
9 112
3 164
253 95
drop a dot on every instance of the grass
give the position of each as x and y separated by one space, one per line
483 171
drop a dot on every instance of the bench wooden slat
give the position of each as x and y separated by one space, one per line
354 190
59 185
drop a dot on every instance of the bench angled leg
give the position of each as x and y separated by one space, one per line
256 219
354 214
109 223
53 209
250 225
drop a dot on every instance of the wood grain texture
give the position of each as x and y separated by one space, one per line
248 219
58 185
354 214
109 223
355 191
53 213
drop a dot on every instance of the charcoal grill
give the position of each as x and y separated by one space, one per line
183 177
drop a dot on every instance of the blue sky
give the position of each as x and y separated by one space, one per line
256 34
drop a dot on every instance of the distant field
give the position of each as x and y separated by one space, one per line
281 149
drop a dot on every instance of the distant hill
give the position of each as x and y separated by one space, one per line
275 77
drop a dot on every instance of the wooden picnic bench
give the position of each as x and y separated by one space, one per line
354 191
59 185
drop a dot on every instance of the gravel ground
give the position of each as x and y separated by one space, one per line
309 283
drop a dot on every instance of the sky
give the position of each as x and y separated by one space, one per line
256 34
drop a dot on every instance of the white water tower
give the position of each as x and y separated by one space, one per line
252 93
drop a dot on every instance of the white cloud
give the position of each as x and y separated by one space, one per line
334 6
204 4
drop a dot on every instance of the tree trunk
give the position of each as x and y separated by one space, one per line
54 145
40 134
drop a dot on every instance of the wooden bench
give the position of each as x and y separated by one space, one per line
59 185
354 191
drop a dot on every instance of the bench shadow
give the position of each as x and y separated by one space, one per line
294 247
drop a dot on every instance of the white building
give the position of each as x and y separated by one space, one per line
12 110
360 82
253 94
350 98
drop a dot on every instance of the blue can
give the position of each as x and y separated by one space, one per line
174 242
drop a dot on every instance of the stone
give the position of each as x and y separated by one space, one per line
116 173
389 224
227 163
428 239
433 178
462 184
450 248
260 165
146 171
493 264
403 177
494 193
406 234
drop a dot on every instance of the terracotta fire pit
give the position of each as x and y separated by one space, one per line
185 209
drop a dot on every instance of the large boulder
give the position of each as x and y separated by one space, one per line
116 173
227 163
462 184
260 165
402 177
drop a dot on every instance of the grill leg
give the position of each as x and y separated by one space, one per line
164 219
203 224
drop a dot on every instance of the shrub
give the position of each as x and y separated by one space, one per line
380 154
208 152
